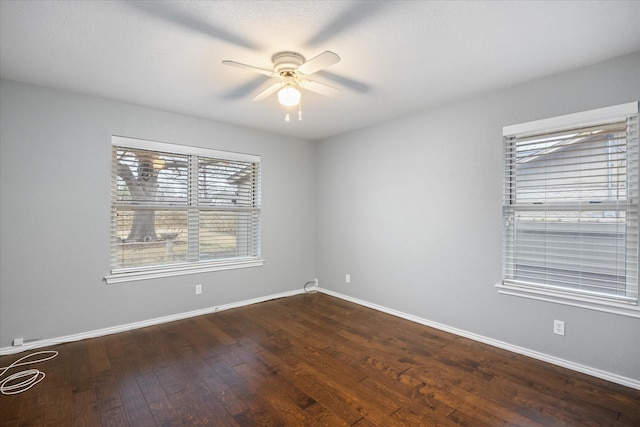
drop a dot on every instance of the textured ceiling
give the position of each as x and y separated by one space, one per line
398 57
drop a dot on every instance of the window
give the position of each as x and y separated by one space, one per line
571 209
176 210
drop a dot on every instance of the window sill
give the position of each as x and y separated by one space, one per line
612 307
157 273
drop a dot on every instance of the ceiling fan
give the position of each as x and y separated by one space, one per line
292 70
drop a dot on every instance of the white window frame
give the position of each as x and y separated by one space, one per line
629 307
120 275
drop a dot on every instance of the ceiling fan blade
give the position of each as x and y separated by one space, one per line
356 85
268 92
320 88
174 15
246 67
355 15
244 90
324 60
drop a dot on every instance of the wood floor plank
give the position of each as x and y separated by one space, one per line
107 395
85 409
159 404
325 393
114 417
134 404
308 360
319 392
59 408
276 396
264 371
33 410
212 409
229 397
318 415
10 410
82 378
188 408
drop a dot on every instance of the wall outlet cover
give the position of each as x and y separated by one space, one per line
558 327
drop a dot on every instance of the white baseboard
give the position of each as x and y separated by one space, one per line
608 376
618 379
136 325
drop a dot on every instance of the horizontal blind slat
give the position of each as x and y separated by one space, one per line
171 209
571 208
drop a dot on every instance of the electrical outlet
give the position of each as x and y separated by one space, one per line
17 342
198 289
347 278
558 327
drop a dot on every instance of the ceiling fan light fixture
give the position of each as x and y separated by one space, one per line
289 96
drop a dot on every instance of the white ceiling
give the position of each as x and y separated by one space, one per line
398 57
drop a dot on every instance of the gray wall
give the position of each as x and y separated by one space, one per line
54 214
411 209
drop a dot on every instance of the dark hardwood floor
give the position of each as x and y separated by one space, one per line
303 361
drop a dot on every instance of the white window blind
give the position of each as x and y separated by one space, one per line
571 205
176 208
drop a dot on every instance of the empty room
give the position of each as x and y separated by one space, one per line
331 213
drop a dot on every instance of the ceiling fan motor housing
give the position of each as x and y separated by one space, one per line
286 63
